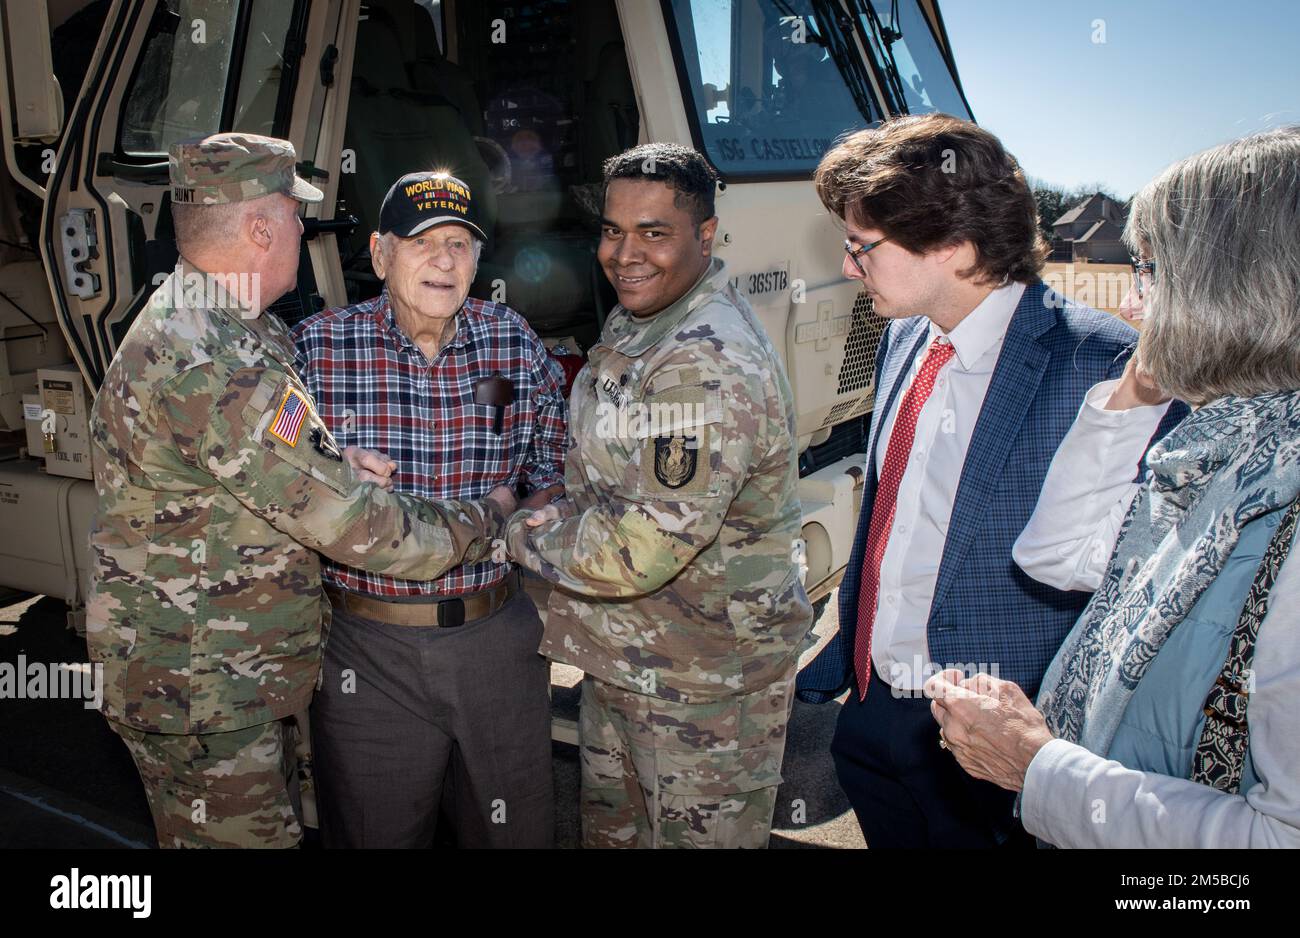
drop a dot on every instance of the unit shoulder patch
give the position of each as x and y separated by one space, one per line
676 459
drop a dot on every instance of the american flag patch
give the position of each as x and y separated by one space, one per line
288 420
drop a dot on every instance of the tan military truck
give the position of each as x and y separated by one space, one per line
524 99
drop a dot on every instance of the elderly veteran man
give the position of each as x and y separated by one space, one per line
674 551
218 484
434 693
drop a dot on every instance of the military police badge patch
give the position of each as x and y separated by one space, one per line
676 458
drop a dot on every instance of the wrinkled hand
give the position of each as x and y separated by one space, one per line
991 727
503 497
542 497
370 465
543 515
1136 388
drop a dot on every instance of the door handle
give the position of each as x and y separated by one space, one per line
108 165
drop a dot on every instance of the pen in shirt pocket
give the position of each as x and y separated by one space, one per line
497 392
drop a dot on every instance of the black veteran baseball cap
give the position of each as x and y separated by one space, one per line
420 201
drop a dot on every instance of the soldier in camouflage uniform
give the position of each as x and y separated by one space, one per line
218 484
678 590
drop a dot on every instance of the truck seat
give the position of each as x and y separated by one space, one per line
613 120
426 64
393 129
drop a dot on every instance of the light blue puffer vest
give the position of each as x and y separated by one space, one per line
1162 723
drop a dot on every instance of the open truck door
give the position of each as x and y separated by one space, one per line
167 70
100 213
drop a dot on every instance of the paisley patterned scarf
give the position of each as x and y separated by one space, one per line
1229 462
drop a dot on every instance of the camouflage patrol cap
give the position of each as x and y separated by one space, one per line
223 168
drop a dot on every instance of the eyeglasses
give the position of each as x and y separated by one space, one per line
855 253
1144 274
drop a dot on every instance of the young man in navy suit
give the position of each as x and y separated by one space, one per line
979 375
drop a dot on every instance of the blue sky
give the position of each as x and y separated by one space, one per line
1171 78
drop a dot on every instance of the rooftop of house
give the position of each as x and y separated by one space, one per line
1091 206
1102 230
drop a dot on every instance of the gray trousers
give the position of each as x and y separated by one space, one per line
409 720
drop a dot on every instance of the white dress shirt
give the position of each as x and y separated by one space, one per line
1086 494
910 567
1075 798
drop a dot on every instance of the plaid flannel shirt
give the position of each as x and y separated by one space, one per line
375 388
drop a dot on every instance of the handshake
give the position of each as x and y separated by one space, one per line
373 466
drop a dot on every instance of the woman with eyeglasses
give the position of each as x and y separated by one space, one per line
1167 719
1130 308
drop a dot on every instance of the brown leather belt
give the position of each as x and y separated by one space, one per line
444 613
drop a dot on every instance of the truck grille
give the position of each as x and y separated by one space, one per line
860 347
857 371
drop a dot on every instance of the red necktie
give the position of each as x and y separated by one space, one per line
882 512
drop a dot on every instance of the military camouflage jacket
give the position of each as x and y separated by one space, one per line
675 567
217 485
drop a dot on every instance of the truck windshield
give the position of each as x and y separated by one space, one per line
918 76
770 84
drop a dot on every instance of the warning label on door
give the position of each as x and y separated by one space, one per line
58 396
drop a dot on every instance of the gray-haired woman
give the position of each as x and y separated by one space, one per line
1168 718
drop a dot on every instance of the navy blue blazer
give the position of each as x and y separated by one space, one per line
986 612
